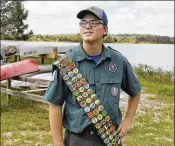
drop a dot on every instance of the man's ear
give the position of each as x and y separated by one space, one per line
105 30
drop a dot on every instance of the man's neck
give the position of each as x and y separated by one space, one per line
92 49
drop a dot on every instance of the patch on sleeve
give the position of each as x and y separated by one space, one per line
114 91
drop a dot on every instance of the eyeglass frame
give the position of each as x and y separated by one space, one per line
89 22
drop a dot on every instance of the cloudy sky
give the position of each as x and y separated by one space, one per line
143 17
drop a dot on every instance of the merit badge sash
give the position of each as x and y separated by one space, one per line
88 101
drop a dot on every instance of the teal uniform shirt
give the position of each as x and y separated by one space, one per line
111 73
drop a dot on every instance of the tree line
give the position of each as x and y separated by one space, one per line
111 38
13 15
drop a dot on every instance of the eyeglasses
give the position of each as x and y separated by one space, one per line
92 23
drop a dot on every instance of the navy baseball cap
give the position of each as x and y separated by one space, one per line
99 13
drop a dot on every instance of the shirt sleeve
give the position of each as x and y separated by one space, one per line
56 93
130 83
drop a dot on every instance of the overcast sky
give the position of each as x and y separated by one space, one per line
140 17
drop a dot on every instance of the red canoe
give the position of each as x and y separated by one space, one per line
18 68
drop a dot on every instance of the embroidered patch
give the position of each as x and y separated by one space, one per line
112 67
114 91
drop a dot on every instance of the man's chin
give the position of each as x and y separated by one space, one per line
88 39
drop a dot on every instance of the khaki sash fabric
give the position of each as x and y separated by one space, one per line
88 101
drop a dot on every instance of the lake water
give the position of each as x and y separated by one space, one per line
155 55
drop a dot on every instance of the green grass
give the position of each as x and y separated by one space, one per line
154 128
26 123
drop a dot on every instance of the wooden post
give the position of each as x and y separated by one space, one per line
55 51
8 87
42 58
17 57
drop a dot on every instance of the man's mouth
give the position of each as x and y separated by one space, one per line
88 33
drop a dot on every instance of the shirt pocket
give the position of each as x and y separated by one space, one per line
111 89
111 94
91 82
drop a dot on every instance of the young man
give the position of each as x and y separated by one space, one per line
106 71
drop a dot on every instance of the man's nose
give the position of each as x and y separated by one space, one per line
88 25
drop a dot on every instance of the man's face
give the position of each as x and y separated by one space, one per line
94 31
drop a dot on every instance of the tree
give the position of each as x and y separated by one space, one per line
13 14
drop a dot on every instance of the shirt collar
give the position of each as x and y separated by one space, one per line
81 55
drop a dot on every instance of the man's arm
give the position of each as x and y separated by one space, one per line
125 126
55 118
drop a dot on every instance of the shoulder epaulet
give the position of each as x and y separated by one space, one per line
115 50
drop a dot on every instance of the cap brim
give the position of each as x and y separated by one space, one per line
82 13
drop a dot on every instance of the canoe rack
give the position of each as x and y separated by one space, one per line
38 85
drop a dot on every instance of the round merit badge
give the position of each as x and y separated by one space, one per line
80 98
62 72
88 100
93 96
70 74
87 109
79 76
64 62
85 94
103 121
112 67
103 135
83 104
65 77
83 81
89 91
69 82
72 65
74 79
104 113
86 86
72 88
106 140
92 105
75 70
67 68
98 125
97 102
94 120
76 93
107 118
114 141
101 107
99 117
101 130
108 132
110 136
96 111
81 89
78 84
114 91
90 115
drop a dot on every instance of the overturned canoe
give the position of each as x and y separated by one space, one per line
18 68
